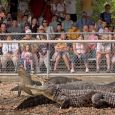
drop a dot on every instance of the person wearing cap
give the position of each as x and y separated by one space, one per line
42 49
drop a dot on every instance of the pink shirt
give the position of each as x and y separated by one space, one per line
92 37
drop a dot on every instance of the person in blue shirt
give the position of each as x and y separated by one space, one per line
106 15
84 20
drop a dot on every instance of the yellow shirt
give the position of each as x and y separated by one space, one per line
61 46
73 36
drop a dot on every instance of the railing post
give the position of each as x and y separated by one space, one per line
48 56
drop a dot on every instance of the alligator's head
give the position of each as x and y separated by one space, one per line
24 76
50 91
20 70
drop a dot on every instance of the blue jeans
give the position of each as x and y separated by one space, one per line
83 57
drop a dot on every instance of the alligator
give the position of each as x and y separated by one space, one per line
79 93
54 80
80 85
74 83
26 78
75 98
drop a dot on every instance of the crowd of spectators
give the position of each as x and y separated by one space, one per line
64 20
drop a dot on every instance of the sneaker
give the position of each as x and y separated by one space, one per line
32 72
87 70
97 70
108 71
38 70
72 70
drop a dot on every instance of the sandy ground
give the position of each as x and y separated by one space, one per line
9 101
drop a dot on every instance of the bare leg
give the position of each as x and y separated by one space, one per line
57 62
4 61
25 64
98 59
108 61
31 64
66 60
15 60
87 67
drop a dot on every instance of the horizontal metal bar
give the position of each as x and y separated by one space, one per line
1 34
65 74
57 41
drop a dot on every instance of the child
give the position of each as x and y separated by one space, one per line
27 57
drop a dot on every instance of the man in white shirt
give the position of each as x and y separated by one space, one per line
71 9
10 52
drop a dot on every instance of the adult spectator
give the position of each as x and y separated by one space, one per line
24 22
85 29
2 15
53 4
10 52
92 46
84 20
54 22
80 54
113 53
34 25
3 29
71 9
60 7
41 36
67 23
15 28
103 49
106 15
23 6
61 51
98 24
101 29
58 30
13 8
42 49
48 29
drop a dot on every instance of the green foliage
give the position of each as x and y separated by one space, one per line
98 7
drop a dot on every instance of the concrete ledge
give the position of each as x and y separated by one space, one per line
98 77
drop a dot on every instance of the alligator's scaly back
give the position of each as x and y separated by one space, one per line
54 80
